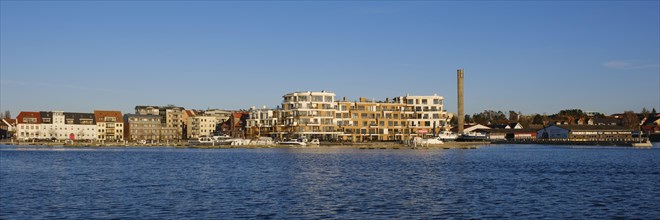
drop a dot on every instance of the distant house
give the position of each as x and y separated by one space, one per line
7 126
509 134
584 132
474 128
603 121
110 125
515 125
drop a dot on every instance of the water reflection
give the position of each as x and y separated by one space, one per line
491 182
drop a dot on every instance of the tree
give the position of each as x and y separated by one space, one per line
630 120
7 114
538 120
645 112
513 116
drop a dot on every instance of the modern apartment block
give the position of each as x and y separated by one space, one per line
261 122
318 115
308 114
110 125
398 119
56 125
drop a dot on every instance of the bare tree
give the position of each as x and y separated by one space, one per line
7 114
630 120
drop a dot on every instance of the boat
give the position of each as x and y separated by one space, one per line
427 141
643 144
314 142
263 141
294 142
447 136
473 136
202 141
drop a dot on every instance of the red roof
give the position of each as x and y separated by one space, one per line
22 115
100 115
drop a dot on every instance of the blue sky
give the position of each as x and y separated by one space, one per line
533 57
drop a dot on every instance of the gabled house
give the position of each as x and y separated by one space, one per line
27 125
7 126
110 125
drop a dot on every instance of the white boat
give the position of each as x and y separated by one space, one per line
643 144
447 135
263 141
427 141
294 142
314 142
202 141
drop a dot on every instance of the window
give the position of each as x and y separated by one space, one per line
411 102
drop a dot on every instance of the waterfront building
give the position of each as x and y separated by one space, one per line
56 125
261 122
110 125
402 118
308 114
140 127
220 115
7 127
584 132
27 125
171 119
200 126
236 126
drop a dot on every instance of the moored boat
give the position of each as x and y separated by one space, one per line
294 142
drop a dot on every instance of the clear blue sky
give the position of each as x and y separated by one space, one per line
533 57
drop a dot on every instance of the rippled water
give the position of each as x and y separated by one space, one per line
522 181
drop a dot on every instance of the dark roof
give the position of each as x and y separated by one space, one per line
605 120
504 130
79 116
46 115
593 127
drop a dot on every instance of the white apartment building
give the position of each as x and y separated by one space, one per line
309 114
261 121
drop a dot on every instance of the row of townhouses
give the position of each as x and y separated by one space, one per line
301 114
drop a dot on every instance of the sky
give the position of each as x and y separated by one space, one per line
532 57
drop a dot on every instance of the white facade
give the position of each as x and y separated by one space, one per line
57 126
28 129
63 128
261 118
429 112
309 113
201 126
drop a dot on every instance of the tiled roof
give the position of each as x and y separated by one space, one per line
101 115
22 115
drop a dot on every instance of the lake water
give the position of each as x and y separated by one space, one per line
505 181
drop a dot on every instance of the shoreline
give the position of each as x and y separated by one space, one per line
362 146
375 145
